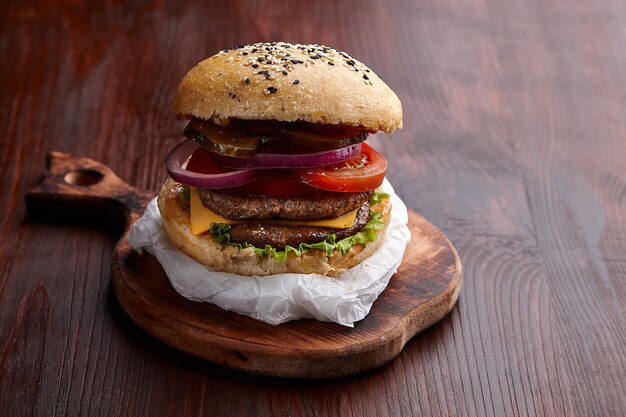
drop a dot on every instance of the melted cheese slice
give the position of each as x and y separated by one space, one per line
202 217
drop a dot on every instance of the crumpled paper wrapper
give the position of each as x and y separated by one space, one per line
276 299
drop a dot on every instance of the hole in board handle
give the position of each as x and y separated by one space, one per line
83 177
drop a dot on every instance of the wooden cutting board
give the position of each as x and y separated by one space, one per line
423 290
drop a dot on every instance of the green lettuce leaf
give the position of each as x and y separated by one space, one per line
184 197
378 196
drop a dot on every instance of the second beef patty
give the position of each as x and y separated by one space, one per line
278 236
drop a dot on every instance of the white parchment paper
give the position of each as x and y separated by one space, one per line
279 298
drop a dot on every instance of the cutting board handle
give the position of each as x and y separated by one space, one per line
83 188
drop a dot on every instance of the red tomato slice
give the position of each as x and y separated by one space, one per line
277 183
363 172
202 163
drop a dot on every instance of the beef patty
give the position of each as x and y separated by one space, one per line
244 207
278 236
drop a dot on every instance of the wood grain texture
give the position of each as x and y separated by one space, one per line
513 145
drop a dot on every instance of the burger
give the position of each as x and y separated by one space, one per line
275 175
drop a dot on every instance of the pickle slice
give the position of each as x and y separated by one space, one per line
244 138
309 135
318 141
225 140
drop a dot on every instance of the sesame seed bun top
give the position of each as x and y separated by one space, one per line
285 82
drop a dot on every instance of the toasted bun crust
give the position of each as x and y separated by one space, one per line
285 82
244 261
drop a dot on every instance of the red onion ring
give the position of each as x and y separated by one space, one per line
182 151
276 160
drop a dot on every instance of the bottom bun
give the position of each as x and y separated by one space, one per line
225 258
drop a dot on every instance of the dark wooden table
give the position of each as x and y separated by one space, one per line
514 145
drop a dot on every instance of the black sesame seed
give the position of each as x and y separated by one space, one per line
244 53
296 82
255 65
331 63
247 80
365 77
350 62
285 73
272 90
254 50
